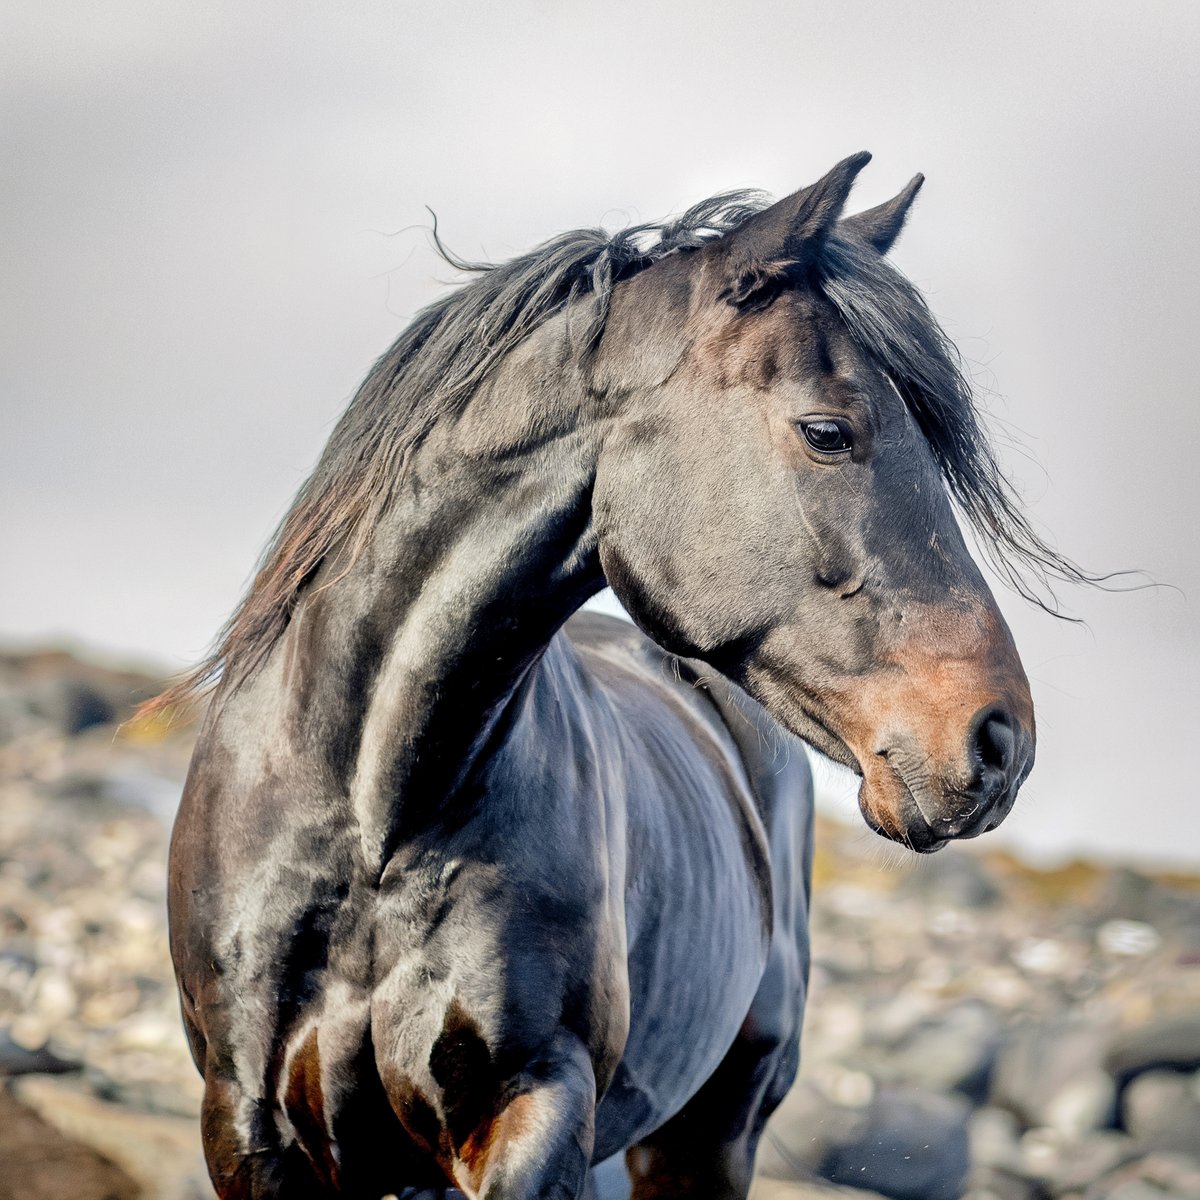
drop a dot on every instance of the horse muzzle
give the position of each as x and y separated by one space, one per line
923 799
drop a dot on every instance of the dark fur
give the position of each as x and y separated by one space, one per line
463 890
439 361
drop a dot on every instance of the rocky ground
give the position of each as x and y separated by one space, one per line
976 1028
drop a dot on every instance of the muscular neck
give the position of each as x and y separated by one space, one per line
397 672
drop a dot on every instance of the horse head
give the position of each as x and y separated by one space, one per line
789 430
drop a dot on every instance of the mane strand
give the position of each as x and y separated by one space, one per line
452 345
428 373
889 319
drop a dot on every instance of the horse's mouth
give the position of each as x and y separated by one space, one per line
913 828
910 826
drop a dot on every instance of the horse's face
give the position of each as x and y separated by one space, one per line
772 507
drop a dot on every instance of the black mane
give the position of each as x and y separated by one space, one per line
428 373
452 345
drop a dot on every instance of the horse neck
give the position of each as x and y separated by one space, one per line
396 673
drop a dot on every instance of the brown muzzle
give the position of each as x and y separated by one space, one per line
943 731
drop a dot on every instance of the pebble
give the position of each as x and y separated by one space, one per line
1155 1177
1083 1104
1163 1041
986 1183
1161 1109
906 1143
1128 939
1040 1061
953 1050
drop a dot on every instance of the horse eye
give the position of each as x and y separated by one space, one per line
828 436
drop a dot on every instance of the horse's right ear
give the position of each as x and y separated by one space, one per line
787 234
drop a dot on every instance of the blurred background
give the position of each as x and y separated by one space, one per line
216 219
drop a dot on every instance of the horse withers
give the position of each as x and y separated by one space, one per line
465 893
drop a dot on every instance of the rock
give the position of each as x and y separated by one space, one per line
72 693
1044 956
914 1147
1084 1103
905 1143
1128 939
1170 1042
954 1051
796 1136
988 1183
787 1189
1135 1189
160 1154
1161 1109
994 1139
41 1163
15 1059
1069 1164
1039 1061
1155 1177
82 706
1128 895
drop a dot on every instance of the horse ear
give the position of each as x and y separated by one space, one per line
880 226
789 232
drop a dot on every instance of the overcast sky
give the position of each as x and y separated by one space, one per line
209 234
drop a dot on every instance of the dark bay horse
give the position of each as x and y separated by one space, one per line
467 894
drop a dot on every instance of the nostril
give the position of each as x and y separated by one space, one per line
995 740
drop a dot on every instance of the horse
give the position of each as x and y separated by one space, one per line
470 891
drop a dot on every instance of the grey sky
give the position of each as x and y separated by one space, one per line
208 212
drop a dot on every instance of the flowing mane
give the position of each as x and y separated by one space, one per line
452 345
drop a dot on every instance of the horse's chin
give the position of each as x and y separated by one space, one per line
921 812
894 811
919 842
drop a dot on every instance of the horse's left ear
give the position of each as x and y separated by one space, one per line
880 226
788 233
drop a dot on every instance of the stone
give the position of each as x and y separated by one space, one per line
160 1154
788 1189
1128 939
906 1143
1044 956
913 1146
1083 1104
956 878
1039 1060
1172 1042
74 694
1161 1109
994 1138
41 1163
954 1051
1070 1164
1155 1177
1135 1189
1128 895
989 1183
16 1059
800 1130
